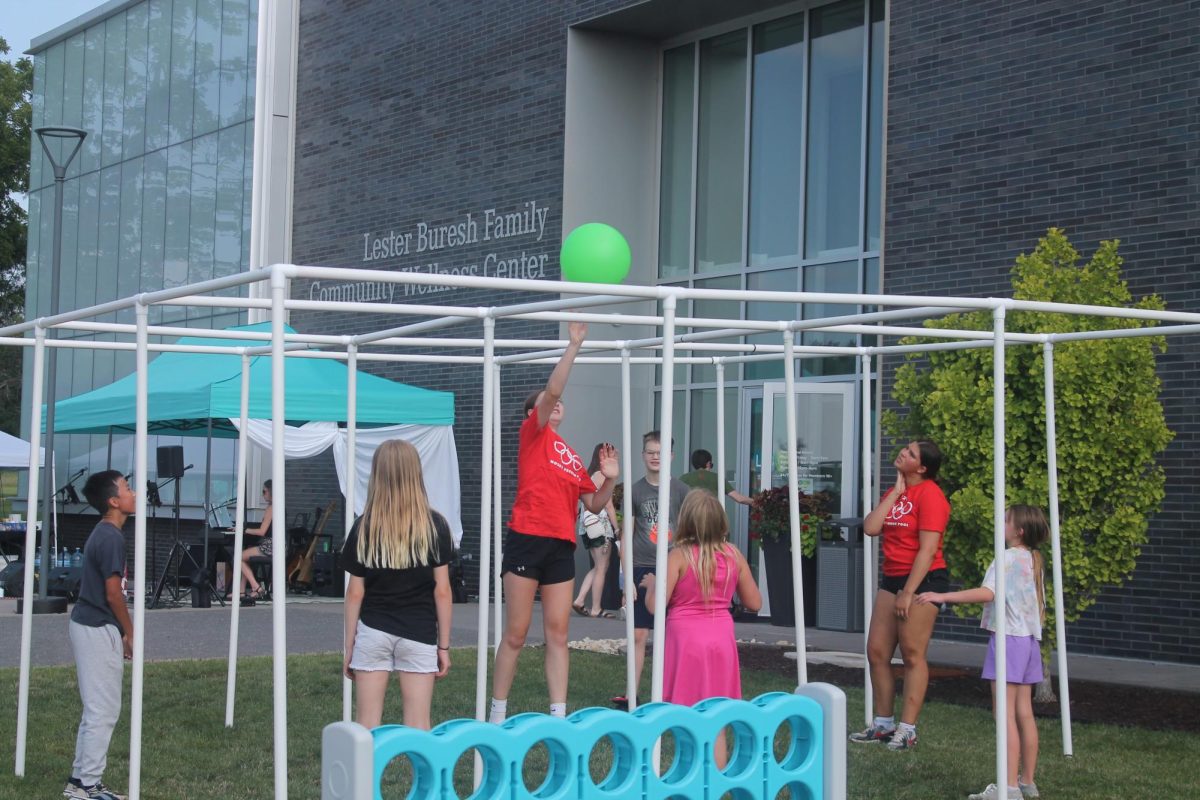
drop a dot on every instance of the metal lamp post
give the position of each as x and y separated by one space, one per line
71 138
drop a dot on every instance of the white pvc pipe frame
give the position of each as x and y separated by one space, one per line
296 345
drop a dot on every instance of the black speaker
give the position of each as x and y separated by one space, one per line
170 461
12 579
64 582
329 579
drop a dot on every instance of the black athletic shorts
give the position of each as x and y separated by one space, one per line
539 558
642 616
936 580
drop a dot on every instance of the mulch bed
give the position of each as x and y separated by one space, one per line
1153 709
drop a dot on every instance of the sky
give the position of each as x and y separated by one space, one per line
21 20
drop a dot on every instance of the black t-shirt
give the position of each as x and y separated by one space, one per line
400 601
103 555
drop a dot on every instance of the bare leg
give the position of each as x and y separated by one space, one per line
721 750
247 572
556 618
881 644
640 636
914 634
518 610
1027 728
370 689
599 570
586 583
416 689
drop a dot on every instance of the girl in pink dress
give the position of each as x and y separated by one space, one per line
703 571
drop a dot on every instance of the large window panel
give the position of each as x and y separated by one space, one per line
227 246
714 309
203 214
207 102
875 127
679 452
129 262
113 141
235 35
177 239
72 92
89 225
675 181
721 145
704 428
779 280
183 62
136 80
777 120
154 222
158 78
108 249
835 278
832 198
92 113
37 113
70 244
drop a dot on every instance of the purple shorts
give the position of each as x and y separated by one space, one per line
1022 656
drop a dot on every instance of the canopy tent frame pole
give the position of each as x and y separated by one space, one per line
239 524
142 470
498 522
867 504
719 369
485 531
279 285
1000 604
351 499
789 375
35 446
629 593
207 500
667 397
1060 622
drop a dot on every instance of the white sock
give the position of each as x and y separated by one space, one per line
558 709
885 722
904 726
499 711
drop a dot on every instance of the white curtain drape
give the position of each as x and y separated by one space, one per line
434 444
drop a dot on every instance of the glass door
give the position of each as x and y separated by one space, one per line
825 462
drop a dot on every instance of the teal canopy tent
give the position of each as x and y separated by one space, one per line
187 390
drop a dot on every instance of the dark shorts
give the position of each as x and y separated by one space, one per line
539 558
642 616
936 580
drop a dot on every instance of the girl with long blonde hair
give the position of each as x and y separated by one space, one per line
703 572
398 601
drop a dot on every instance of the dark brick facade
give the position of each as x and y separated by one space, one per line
1006 119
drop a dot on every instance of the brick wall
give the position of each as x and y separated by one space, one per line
1006 119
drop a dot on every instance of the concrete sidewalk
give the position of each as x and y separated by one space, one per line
315 626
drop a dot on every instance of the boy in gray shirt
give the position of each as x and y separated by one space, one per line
645 537
101 634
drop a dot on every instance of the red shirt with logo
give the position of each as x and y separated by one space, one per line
550 480
921 508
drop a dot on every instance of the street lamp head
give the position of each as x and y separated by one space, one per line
65 136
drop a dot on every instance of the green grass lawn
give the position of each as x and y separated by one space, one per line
188 753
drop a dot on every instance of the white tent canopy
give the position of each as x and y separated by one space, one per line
701 341
14 453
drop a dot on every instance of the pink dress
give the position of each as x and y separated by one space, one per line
701 657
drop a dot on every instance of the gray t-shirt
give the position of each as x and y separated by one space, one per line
645 518
103 555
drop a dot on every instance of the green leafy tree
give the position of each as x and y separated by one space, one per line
1109 421
16 87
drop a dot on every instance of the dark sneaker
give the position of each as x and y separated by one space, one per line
101 792
74 790
873 734
902 740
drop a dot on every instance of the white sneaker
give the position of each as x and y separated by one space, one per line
1028 790
993 793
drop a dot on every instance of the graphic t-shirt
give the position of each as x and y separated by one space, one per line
1023 612
921 508
645 518
550 480
400 601
103 555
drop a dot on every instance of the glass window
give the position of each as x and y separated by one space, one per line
113 141
679 452
227 246
207 100
109 236
154 221
177 236
775 141
704 427
832 200
675 189
875 126
714 309
203 213
248 178
72 92
234 41
70 245
251 60
682 309
840 277
37 111
129 261
158 78
136 80
92 119
780 280
183 59
89 226
721 144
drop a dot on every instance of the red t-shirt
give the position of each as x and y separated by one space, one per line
921 508
550 479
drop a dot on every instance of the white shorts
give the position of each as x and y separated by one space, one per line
376 651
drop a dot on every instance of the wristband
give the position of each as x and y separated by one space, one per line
439 647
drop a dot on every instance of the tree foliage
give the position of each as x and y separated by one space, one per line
16 86
1109 423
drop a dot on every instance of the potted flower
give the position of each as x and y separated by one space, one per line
770 524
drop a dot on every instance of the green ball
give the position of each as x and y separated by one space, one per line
595 253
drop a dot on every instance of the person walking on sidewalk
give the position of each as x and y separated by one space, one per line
101 634
1024 603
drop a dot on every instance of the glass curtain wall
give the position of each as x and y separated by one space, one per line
158 196
770 178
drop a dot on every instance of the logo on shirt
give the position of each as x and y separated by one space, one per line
901 509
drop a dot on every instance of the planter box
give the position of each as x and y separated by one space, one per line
780 585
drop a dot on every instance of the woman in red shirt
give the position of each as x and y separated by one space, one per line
539 550
912 518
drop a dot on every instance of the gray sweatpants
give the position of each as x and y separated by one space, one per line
100 666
